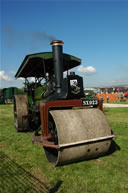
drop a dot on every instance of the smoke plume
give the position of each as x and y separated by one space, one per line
30 39
43 36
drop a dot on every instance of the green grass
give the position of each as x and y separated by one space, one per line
24 168
117 102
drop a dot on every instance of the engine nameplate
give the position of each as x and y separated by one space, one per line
91 102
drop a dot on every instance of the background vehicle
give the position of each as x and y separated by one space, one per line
7 95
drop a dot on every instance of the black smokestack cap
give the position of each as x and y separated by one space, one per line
57 49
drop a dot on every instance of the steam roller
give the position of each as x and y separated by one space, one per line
70 126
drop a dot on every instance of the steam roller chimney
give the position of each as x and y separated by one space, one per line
57 49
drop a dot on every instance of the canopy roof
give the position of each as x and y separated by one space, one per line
35 65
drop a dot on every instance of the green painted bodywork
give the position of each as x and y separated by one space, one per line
39 92
38 96
29 100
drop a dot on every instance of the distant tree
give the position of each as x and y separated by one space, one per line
90 93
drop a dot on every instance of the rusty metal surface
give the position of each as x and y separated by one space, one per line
21 112
75 126
46 106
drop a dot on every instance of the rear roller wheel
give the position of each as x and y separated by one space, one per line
21 120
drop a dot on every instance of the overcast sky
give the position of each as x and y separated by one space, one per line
95 31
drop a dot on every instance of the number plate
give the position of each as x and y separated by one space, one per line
90 102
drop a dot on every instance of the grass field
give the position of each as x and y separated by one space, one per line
117 102
24 168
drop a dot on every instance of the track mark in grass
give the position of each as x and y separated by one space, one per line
13 178
101 163
38 174
3 147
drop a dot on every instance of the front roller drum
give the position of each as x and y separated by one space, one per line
82 134
21 120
